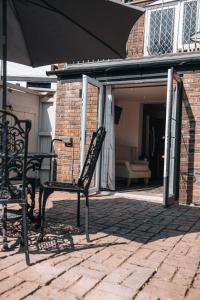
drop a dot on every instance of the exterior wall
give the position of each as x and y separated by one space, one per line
68 122
190 141
25 105
135 45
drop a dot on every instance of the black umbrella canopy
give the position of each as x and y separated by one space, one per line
42 32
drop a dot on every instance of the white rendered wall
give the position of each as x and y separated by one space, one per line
18 70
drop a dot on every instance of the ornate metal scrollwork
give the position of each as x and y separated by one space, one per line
13 154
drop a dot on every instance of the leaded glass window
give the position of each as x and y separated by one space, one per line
161 31
189 21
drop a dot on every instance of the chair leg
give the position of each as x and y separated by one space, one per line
4 228
45 195
32 195
40 208
25 233
87 218
78 210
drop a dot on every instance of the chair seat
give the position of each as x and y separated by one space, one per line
62 186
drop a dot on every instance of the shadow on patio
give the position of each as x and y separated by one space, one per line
114 222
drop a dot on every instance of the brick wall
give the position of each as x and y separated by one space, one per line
68 111
68 124
190 141
135 45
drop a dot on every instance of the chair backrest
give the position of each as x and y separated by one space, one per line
124 152
91 158
13 153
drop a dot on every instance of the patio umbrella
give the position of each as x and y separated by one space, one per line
43 32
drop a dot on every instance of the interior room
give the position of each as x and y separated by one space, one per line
140 112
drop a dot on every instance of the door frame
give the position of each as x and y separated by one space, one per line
153 81
172 149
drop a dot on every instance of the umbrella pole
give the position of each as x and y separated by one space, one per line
4 29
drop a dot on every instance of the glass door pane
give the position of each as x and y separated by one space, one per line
90 121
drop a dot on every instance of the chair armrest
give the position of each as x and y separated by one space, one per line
124 163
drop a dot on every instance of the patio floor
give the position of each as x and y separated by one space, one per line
139 250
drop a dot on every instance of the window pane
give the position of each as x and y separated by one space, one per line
161 31
189 21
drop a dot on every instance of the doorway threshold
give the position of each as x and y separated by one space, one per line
139 196
151 193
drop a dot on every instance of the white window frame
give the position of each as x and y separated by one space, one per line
178 23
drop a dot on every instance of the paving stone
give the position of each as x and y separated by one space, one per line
139 278
80 270
10 260
65 280
182 261
118 275
166 272
66 262
116 289
3 275
169 292
9 283
193 294
101 256
114 261
181 248
96 266
41 273
20 291
82 286
148 258
48 293
164 289
196 283
16 268
184 276
98 294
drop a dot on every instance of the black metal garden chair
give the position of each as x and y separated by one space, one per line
81 187
13 160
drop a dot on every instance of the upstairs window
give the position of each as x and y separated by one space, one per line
161 31
169 26
189 22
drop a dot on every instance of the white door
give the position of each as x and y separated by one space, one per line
91 119
46 133
172 137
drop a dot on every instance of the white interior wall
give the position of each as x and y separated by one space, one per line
131 99
126 131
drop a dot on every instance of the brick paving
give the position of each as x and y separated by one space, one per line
138 250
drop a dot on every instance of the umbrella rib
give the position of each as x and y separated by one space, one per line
54 9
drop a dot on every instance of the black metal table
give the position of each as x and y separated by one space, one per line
34 163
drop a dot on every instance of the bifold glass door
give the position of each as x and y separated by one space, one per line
91 120
172 137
